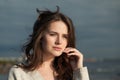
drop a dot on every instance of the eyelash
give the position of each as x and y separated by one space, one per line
52 34
64 36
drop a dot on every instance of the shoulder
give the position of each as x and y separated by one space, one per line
15 69
17 73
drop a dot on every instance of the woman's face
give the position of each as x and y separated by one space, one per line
55 39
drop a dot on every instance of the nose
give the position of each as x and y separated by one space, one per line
58 40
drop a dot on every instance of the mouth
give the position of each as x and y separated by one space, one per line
57 48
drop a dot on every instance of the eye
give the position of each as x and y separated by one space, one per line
65 36
52 34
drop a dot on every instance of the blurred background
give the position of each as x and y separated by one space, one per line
97 27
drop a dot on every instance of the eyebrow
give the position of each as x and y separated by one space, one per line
55 32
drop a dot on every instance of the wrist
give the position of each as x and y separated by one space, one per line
80 63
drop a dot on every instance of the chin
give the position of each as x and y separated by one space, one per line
58 54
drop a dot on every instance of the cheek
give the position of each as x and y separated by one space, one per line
49 41
65 43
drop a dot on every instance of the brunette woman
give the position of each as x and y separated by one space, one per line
50 52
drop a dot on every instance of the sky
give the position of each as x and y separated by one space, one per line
97 24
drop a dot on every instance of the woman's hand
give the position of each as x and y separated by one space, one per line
77 54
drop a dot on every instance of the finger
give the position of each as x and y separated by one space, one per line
71 54
70 50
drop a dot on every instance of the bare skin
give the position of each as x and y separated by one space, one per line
55 43
79 55
46 69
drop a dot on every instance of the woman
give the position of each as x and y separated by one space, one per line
50 51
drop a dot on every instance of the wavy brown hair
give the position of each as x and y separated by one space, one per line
33 48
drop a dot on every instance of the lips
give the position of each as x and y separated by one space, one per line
57 48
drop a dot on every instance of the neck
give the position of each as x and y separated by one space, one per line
47 67
47 61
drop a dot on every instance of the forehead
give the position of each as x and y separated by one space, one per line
58 26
